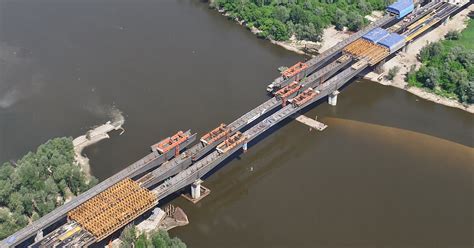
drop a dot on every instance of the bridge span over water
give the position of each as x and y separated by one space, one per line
173 164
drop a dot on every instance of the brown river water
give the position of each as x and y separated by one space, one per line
391 170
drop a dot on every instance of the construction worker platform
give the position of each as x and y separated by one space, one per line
362 48
112 208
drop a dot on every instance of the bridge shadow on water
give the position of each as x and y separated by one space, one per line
235 156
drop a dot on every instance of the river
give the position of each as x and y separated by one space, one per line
391 170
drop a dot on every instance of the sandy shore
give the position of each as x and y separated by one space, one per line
405 59
93 136
330 37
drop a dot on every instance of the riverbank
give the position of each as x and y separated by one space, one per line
160 220
93 136
330 36
406 59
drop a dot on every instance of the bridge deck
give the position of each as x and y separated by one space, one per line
203 166
206 164
175 165
146 163
325 56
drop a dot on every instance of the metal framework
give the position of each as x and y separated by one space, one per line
362 48
113 208
294 70
216 134
287 91
171 142
304 97
236 139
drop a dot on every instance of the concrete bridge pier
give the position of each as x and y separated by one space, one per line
446 21
379 67
245 147
196 189
39 236
332 98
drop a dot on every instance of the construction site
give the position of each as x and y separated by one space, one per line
178 161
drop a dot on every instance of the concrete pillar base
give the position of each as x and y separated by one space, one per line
446 21
332 98
39 236
379 67
198 192
196 189
245 147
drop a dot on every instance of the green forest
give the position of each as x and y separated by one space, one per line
156 239
448 66
280 19
38 183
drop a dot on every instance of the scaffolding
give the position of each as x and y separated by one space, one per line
171 142
113 208
287 91
216 134
294 70
362 48
228 144
304 97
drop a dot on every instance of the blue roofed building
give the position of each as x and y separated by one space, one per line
393 42
376 34
401 8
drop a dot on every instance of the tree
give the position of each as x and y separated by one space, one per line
452 35
355 21
341 21
5 190
143 242
15 203
392 72
308 32
157 238
281 13
35 185
6 170
128 236
430 51
428 76
299 15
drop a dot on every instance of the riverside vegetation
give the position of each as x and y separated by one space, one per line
306 19
156 239
38 183
448 66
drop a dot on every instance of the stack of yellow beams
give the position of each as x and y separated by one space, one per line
362 48
113 208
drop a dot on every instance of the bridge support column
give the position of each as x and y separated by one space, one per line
446 20
332 98
379 67
245 147
39 236
196 189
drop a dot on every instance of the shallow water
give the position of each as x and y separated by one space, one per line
390 170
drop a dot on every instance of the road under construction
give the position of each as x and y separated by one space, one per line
174 164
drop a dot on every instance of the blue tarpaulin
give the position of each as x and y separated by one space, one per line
393 42
376 34
401 8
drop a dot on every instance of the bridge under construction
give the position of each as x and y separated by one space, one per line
174 164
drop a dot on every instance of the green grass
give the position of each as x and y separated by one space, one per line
448 67
467 38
